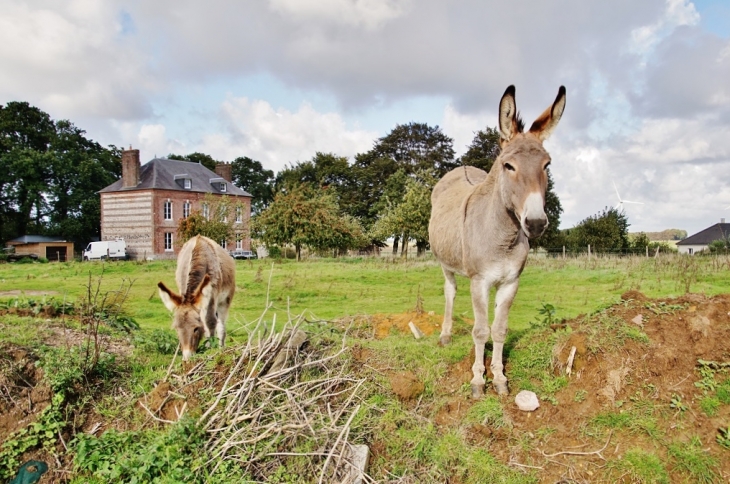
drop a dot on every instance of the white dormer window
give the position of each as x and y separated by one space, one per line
184 181
223 186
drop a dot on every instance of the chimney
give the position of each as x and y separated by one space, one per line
130 168
225 171
722 220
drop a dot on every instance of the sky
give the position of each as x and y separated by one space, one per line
648 84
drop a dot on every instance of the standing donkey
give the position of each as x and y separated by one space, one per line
481 222
206 279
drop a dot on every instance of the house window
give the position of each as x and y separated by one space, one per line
239 215
206 211
239 242
187 183
223 187
224 243
689 251
186 209
168 241
167 210
223 214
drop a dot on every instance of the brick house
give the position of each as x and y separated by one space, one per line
146 204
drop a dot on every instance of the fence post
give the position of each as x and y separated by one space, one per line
589 251
647 251
563 252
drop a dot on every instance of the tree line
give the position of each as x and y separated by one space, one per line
50 173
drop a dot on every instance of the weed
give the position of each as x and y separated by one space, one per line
723 392
641 467
691 459
677 404
487 411
710 405
41 432
545 318
723 437
158 340
580 396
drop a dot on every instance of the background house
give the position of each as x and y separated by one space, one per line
145 205
699 241
52 248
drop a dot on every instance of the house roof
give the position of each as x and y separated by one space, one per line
163 174
35 239
704 237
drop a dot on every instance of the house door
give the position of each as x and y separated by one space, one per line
56 253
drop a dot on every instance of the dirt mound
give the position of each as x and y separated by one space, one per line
647 374
386 324
19 379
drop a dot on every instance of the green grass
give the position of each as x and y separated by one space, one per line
412 446
332 288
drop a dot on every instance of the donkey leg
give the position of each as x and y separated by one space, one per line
505 296
450 294
222 316
480 333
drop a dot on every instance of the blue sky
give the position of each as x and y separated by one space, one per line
648 83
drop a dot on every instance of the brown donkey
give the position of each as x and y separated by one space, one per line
206 279
480 226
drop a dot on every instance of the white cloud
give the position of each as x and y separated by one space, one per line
462 127
277 137
677 13
369 14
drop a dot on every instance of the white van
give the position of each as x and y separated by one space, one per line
107 249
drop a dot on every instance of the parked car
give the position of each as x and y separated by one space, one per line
243 254
106 249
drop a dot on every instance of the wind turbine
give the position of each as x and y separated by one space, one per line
621 201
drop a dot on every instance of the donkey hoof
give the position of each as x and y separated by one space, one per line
477 391
445 340
501 388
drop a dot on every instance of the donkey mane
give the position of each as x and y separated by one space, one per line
198 269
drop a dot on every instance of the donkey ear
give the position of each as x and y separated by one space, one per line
169 298
547 121
509 124
203 289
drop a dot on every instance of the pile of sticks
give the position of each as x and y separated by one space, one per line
283 404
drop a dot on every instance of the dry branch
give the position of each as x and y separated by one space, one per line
278 396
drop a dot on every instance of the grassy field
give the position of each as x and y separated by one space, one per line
335 288
412 439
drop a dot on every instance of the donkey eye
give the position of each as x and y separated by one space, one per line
509 167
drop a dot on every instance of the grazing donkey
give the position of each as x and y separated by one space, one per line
480 226
206 279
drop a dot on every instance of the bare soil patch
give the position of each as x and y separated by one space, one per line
613 374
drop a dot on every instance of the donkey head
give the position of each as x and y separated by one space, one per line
523 161
186 318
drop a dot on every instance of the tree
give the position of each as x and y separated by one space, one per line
251 176
307 217
640 241
215 221
483 150
50 174
417 146
408 220
605 231
205 160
